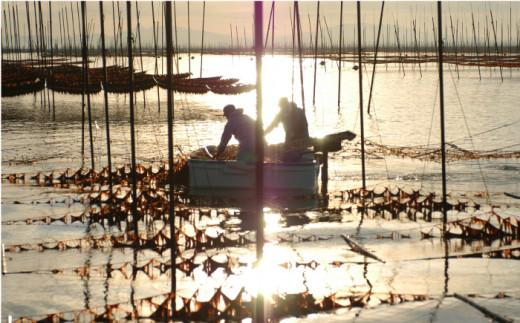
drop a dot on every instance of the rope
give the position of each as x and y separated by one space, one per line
467 129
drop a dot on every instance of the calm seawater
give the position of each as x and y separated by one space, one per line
480 115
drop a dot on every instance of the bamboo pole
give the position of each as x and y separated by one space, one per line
202 41
375 56
156 71
132 121
300 52
496 45
441 102
268 27
176 39
66 40
138 13
238 44
476 46
73 30
29 31
171 209
259 150
115 34
292 17
52 62
18 34
417 46
316 52
454 48
86 84
105 93
360 70
189 40
340 48
310 31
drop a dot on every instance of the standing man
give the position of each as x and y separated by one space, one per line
242 127
295 125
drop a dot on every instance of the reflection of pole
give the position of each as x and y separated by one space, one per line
171 214
361 95
105 93
259 150
441 100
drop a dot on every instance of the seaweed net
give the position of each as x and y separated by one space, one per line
425 153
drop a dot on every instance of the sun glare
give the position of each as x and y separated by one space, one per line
275 274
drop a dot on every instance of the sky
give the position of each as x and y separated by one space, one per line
223 19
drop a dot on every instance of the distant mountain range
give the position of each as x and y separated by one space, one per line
216 40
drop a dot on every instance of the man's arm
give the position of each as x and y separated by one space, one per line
274 124
226 136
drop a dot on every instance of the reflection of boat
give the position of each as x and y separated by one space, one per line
220 178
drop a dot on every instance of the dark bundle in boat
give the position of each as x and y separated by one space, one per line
196 85
68 78
72 84
19 80
119 82
232 88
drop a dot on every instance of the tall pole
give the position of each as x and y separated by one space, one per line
156 70
340 47
171 214
202 44
132 121
29 31
86 79
259 150
375 56
189 40
105 93
300 51
316 52
361 94
52 61
441 100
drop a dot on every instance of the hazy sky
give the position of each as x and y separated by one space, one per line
222 16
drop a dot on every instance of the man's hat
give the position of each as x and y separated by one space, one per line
283 102
228 109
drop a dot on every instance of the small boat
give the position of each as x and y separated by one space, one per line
231 177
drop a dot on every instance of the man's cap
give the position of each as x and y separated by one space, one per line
228 109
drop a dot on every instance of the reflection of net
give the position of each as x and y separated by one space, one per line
427 153
113 209
220 306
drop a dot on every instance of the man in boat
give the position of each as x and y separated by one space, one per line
242 127
296 128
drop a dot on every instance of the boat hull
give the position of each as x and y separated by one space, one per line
222 178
